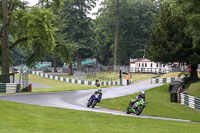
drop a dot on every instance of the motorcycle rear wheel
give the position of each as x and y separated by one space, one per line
127 110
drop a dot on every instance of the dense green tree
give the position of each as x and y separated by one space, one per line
77 28
17 56
62 50
134 19
29 28
55 4
172 39
191 9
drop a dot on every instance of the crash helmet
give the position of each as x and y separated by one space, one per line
99 90
142 93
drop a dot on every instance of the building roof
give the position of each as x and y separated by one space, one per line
140 60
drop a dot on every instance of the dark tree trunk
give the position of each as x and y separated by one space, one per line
70 68
193 73
5 48
54 64
79 61
116 31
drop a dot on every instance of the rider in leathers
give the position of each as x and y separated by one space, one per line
98 91
138 98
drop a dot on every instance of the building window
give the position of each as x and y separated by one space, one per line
163 65
139 64
142 64
151 64
157 65
145 64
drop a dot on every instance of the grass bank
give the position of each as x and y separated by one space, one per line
138 76
194 89
64 86
23 118
56 85
109 75
170 75
158 105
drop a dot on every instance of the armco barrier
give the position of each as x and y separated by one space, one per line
75 81
162 80
9 87
190 101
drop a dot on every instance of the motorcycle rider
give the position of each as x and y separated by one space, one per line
138 98
98 91
97 83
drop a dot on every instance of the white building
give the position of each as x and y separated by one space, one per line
147 66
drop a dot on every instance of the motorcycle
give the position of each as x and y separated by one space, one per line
139 106
93 100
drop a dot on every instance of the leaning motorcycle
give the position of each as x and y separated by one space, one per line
93 100
137 107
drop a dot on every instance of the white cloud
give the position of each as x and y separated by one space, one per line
32 2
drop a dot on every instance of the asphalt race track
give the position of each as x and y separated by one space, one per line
77 99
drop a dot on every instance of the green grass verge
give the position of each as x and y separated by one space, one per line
109 75
64 86
56 85
23 118
194 89
93 78
138 76
158 105
170 75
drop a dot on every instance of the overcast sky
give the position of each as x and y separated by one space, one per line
33 2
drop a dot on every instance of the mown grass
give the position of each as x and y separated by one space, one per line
24 118
170 75
158 105
56 85
95 76
64 86
194 89
138 76
110 75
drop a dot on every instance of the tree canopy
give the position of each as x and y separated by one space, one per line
77 27
135 21
174 38
30 28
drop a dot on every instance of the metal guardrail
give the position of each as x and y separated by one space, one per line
8 78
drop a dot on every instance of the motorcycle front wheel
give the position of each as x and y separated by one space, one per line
138 111
94 103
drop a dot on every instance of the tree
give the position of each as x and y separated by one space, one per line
55 4
17 54
192 14
170 41
134 20
77 26
4 35
29 27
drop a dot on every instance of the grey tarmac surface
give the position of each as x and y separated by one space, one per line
77 100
